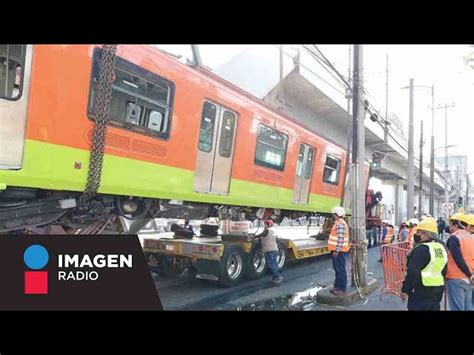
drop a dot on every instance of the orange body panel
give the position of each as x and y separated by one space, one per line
57 114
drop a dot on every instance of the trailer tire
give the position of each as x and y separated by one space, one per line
282 255
256 263
232 266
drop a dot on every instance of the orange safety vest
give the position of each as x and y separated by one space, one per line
466 241
411 233
332 242
389 236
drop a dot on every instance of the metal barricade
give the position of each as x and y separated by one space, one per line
394 266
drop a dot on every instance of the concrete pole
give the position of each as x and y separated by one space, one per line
282 99
432 155
446 167
397 203
466 204
386 102
358 159
349 79
411 170
420 194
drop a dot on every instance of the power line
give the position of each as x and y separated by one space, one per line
323 61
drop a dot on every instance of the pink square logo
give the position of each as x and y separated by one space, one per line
36 282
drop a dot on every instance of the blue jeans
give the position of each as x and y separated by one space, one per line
339 265
459 295
272 264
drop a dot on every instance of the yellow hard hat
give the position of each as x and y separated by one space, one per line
461 217
470 219
428 225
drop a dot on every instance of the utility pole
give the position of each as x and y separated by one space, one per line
359 252
282 102
466 205
446 166
197 61
411 183
432 158
386 102
349 79
420 194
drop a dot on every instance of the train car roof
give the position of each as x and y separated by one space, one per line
206 72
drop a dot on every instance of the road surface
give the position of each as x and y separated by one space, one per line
186 293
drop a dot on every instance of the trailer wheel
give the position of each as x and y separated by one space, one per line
256 264
232 265
281 259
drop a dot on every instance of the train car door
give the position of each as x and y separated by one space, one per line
304 172
215 149
15 73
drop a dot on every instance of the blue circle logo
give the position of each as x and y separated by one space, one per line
36 257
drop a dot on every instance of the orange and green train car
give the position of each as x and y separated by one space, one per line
176 132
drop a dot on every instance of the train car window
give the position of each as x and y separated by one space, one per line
227 134
299 164
206 134
271 148
331 170
12 62
142 101
309 163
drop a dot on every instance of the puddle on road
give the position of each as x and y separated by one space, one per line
298 301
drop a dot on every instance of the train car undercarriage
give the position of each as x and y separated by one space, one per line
25 210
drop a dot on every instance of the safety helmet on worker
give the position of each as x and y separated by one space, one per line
414 221
460 217
268 223
470 219
340 211
428 225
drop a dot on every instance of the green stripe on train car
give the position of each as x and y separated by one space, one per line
54 167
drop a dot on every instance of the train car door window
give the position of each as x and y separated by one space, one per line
142 101
15 76
304 171
331 170
206 133
227 134
12 61
215 149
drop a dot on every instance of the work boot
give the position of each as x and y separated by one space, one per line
278 280
334 289
339 293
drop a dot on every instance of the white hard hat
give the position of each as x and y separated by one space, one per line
414 221
339 211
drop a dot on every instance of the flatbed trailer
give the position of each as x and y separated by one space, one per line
227 259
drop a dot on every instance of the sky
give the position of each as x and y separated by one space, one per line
441 65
